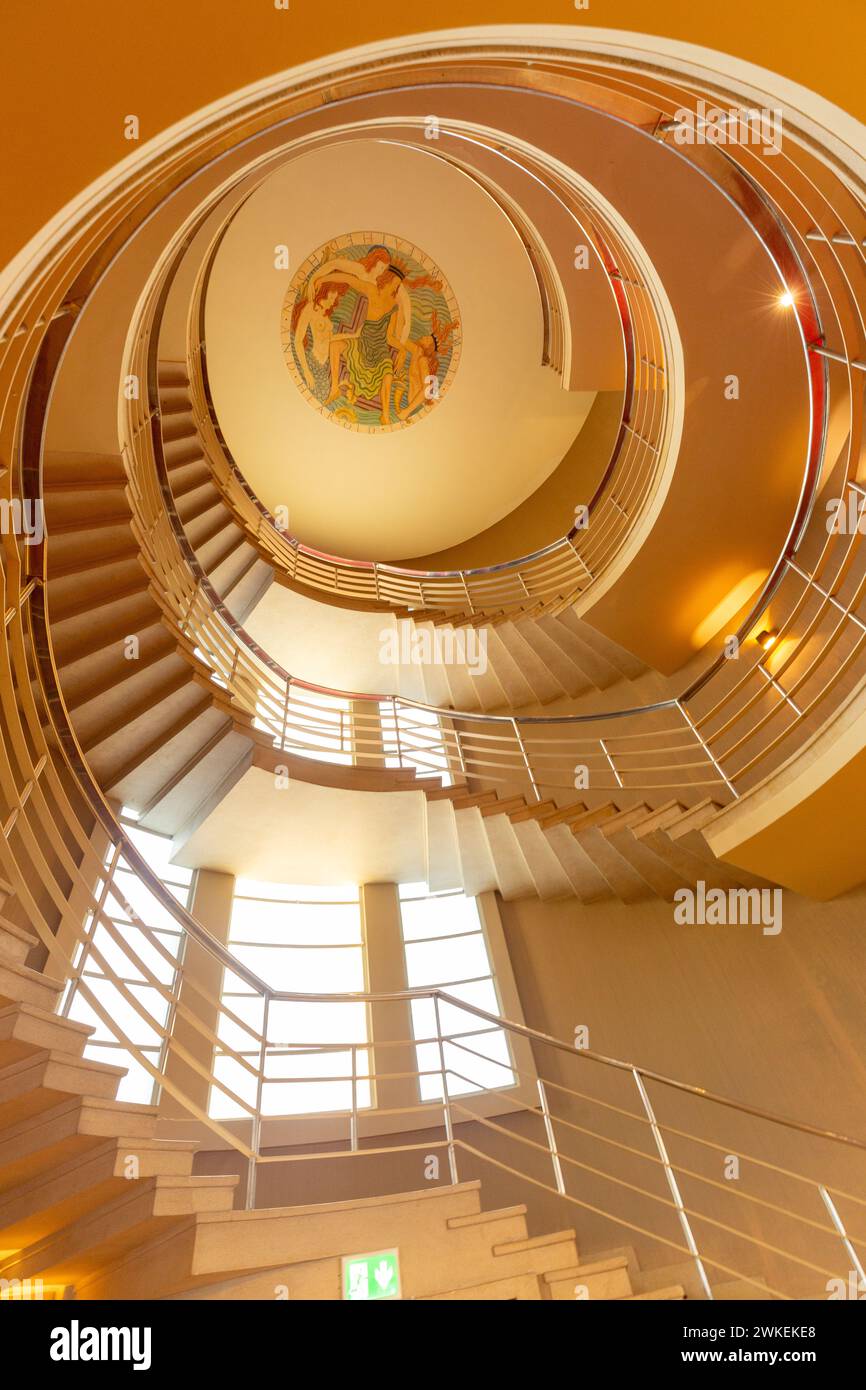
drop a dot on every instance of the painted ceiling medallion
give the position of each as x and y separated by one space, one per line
371 332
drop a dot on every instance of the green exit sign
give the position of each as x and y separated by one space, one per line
368 1277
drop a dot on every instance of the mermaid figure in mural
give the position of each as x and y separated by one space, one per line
423 356
380 348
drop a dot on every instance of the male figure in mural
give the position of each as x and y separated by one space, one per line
382 282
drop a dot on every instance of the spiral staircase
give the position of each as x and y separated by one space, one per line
571 767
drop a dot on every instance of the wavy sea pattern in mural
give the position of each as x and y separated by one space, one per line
371 332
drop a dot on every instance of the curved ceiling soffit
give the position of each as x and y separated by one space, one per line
467 41
753 208
804 488
542 437
42 243
551 288
558 176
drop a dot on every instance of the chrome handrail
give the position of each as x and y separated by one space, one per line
786 258
47 834
197 362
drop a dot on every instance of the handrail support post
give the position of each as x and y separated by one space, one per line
856 1263
446 1099
256 1135
353 1122
551 1139
672 1183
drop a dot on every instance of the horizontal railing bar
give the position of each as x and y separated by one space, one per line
653 1196
620 1220
350 1153
654 1158
837 357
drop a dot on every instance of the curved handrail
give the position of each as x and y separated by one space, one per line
46 837
192 928
530 586
43 634
755 206
282 718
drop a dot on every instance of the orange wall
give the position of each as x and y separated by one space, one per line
70 73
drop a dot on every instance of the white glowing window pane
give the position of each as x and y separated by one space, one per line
316 1065
463 1078
231 1030
80 1011
438 916
317 1023
469 1069
136 1087
115 957
298 939
488 1044
298 924
156 849
482 994
120 957
140 1028
237 1080
413 890
233 984
479 1060
300 1082
312 971
127 890
441 962
312 1097
298 894
453 1018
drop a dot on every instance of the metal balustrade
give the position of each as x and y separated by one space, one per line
552 577
61 848
594 1132
738 720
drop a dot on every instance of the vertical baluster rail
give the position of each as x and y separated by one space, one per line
856 1264
446 1097
672 1183
525 757
256 1128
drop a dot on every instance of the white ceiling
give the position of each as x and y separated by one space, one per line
500 430
304 833
327 645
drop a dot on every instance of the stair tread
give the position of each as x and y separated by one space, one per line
673 1291
21 933
600 1266
32 976
513 1247
481 1218
49 1056
21 1007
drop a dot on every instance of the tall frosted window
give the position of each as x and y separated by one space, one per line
446 947
308 941
137 940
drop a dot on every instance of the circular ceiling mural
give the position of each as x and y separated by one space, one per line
371 332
